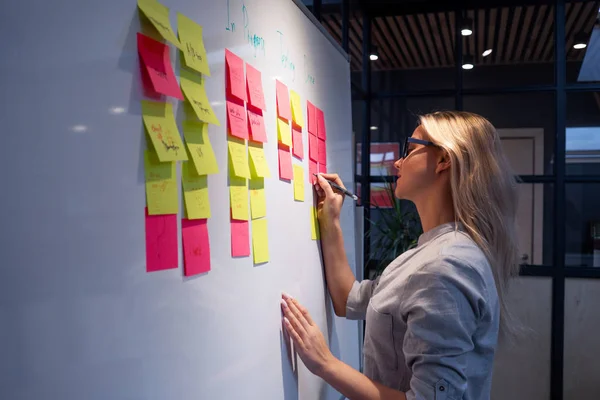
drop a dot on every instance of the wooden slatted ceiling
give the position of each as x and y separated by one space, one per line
522 34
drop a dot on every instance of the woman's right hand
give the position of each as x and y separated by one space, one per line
329 202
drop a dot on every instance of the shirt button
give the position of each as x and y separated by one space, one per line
442 388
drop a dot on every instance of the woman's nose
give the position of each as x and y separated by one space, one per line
398 163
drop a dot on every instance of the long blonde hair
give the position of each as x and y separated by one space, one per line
484 193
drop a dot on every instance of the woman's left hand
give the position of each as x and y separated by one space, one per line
308 339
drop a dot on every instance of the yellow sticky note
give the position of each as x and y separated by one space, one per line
314 224
158 14
161 185
238 196
195 192
298 183
260 168
193 88
296 108
260 241
238 157
258 200
192 44
198 144
160 124
284 133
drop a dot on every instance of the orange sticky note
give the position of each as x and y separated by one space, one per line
285 164
240 239
236 118
283 101
297 145
234 72
258 133
156 59
311 112
256 96
313 147
321 132
196 246
322 152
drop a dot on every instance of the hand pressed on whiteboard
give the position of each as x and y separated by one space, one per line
329 202
308 339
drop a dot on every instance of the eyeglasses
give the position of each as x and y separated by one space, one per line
415 141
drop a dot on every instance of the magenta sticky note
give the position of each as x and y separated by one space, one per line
284 110
196 246
297 145
322 152
285 164
240 238
236 118
321 132
161 242
312 169
256 96
156 59
322 168
311 111
313 147
256 123
234 75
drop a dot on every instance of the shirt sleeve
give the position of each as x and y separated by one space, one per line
358 298
441 304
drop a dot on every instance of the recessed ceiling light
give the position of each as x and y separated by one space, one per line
79 128
374 56
487 52
374 128
580 41
466 28
468 62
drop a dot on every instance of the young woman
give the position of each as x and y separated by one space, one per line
433 316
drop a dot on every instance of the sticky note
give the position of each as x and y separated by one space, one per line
157 62
284 135
322 168
298 183
312 169
161 185
322 152
260 241
297 116
192 44
311 112
193 87
158 14
259 167
321 132
160 124
256 122
314 224
238 157
196 246
256 96
313 147
236 119
234 72
283 101
240 239
238 196
161 242
195 192
258 201
297 145
285 164
199 147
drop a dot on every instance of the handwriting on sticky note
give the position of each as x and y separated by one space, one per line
258 132
236 115
158 14
196 246
297 116
193 87
161 185
199 147
260 241
298 183
160 125
255 89
192 44
161 242
236 84
157 63
238 194
238 157
258 201
259 163
195 192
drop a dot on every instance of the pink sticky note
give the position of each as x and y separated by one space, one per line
283 101
256 122
156 59
240 238
285 164
161 242
322 168
297 145
236 118
322 152
147 84
321 132
234 72
312 169
196 246
311 111
313 147
256 96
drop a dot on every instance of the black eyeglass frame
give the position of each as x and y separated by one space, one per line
415 141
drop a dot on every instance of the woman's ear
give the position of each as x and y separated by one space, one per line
443 162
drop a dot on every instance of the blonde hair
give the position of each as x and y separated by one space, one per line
484 193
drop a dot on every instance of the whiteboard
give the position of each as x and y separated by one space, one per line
79 316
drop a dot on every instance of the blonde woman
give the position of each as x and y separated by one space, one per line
434 315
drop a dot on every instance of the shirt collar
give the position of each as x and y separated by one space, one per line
438 231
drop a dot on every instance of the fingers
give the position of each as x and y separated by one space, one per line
292 332
304 312
324 185
300 316
292 317
333 177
